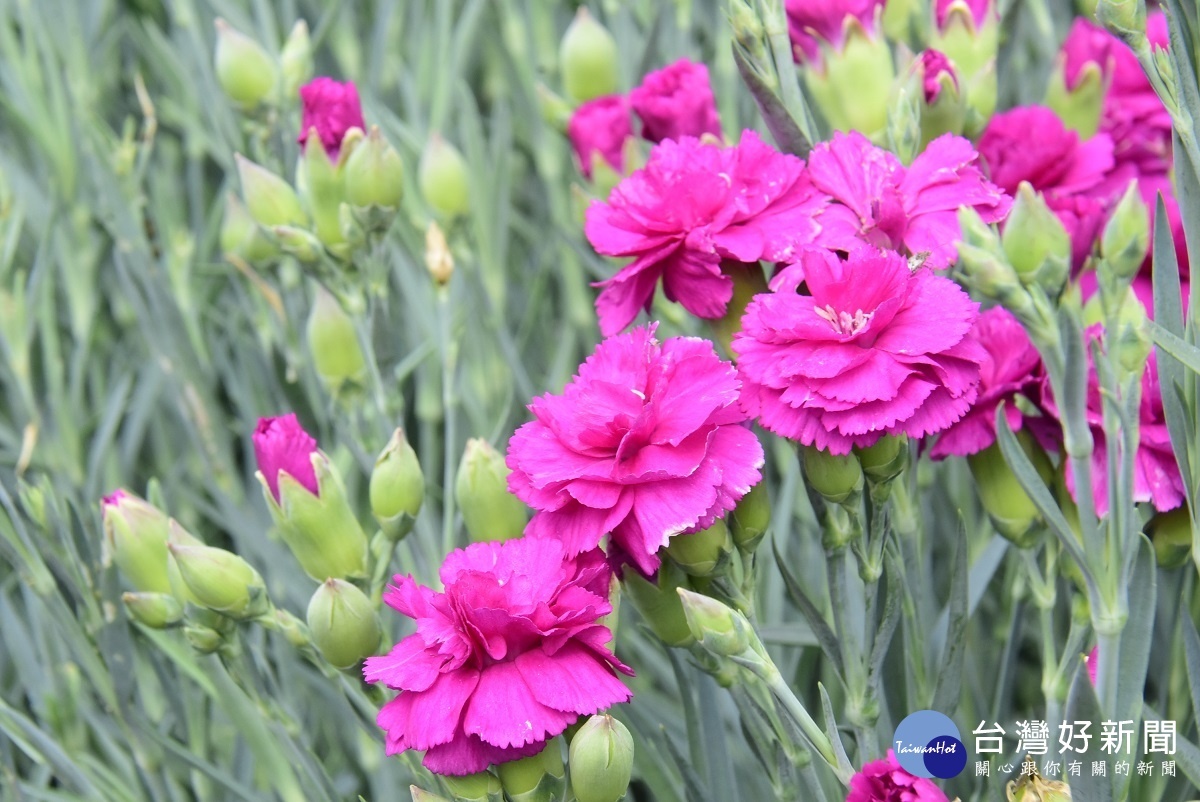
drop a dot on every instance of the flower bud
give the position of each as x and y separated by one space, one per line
203 639
322 184
438 259
837 477
701 553
292 628
901 18
270 200
943 108
719 628
1126 239
333 342
419 795
443 178
601 760
539 778
750 518
855 85
154 610
244 70
296 59
588 56
1078 84
480 787
298 242
374 173
1035 242
240 235
1129 345
1171 534
1010 509
886 459
1125 18
659 604
397 487
1034 788
221 581
556 111
489 511
179 536
135 535
343 624
968 32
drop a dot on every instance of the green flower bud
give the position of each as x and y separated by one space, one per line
296 59
221 581
292 628
244 70
1171 534
539 778
489 511
659 604
443 178
1125 241
438 259
1034 788
343 624
1012 512
947 112
135 536
320 529
972 48
1131 345
1035 241
154 610
332 342
854 90
701 553
240 235
1086 8
902 18
480 787
588 54
397 487
750 518
270 200
719 628
179 536
601 760
203 639
837 477
419 795
886 459
298 242
1125 18
374 173
323 187
1079 108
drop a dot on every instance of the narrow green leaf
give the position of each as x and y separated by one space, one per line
1082 705
949 681
831 730
784 130
1137 641
822 630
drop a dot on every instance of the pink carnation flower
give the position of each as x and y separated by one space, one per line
333 109
1011 366
1076 177
281 444
874 348
645 443
507 656
886 781
812 23
978 10
691 207
933 65
912 210
600 128
675 102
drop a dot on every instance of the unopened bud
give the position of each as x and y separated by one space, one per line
836 477
943 106
343 624
1035 788
1079 103
203 639
1126 238
601 760
240 235
539 778
901 19
244 69
750 518
480 787
720 629
438 259
292 628
296 59
489 511
1125 18
179 536
659 604
1130 344
443 178
588 56
1171 534
854 88
1035 242
397 487
322 185
221 581
270 200
298 242
420 795
969 33
332 341
886 459
154 610
374 173
135 534
1012 512
701 553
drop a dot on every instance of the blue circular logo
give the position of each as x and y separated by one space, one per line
928 744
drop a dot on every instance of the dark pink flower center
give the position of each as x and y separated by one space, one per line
844 323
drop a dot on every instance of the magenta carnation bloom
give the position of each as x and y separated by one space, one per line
600 128
507 656
645 443
1076 177
812 23
332 108
979 10
933 65
691 207
886 781
281 444
912 210
1011 366
675 102
874 348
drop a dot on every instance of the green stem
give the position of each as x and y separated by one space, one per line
815 735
